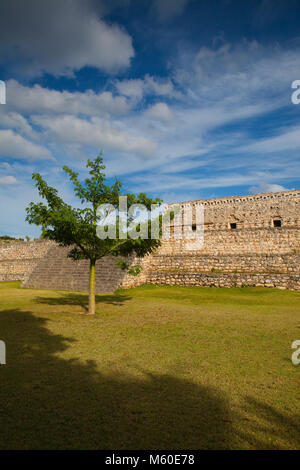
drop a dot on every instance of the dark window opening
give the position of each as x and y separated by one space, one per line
277 223
233 225
194 227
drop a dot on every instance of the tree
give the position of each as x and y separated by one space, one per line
77 227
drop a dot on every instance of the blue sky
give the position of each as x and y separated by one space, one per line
188 99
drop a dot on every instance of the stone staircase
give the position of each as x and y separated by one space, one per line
57 271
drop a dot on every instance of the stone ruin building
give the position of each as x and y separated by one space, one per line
248 241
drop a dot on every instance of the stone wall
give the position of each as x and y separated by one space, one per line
43 264
254 263
255 252
18 259
57 271
254 218
280 281
241 241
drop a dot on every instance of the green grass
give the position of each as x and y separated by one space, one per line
157 367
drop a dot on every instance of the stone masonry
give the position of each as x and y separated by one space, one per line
18 259
248 240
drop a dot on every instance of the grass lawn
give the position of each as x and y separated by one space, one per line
155 368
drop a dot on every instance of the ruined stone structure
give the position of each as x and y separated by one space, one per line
249 240
18 258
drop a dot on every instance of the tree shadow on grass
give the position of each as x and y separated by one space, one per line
82 299
49 402
54 402
279 430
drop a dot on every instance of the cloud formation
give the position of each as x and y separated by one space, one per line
191 132
97 132
8 180
15 146
166 10
37 99
137 88
160 111
60 37
267 188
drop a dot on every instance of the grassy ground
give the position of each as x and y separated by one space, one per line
156 367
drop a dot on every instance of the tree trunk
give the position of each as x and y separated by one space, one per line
92 288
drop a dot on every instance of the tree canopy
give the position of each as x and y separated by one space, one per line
77 227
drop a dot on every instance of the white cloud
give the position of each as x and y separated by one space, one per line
266 188
15 146
38 99
133 88
178 133
16 122
8 180
242 74
137 88
289 140
60 37
162 182
97 132
160 111
159 86
218 86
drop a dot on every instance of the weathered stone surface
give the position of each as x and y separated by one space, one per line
226 280
18 259
57 271
255 253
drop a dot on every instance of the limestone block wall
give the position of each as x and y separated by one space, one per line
255 211
254 218
18 259
255 252
256 245
266 270
241 241
280 281
57 271
255 263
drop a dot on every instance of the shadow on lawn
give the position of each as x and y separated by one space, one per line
82 299
50 402
285 428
